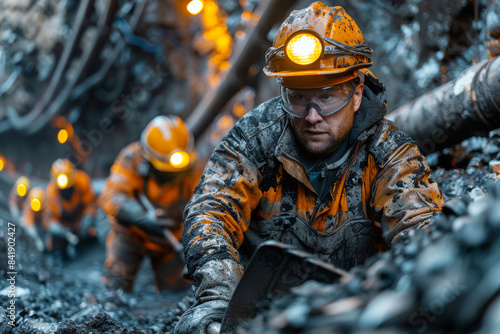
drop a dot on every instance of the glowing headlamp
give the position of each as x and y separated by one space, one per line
304 47
195 6
62 136
21 190
62 181
36 205
179 159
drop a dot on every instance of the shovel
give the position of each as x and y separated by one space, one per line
176 245
273 270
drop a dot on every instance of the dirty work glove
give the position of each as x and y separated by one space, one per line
215 282
132 214
40 246
72 238
31 231
86 224
198 318
60 231
15 213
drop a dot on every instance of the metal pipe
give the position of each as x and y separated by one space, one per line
22 122
90 52
215 99
465 107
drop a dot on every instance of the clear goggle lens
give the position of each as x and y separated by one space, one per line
326 101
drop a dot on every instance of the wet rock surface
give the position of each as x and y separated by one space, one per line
53 296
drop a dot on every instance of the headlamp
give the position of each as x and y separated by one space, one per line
304 47
62 136
21 190
179 160
36 205
62 181
194 7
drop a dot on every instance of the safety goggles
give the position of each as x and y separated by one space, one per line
326 101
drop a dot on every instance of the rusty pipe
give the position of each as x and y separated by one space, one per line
465 107
235 79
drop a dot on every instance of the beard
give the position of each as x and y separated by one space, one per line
334 137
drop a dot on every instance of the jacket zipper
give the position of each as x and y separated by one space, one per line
324 200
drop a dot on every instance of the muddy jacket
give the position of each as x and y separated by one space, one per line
32 218
16 202
130 178
68 206
255 188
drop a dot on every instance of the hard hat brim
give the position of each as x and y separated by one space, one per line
315 81
294 73
165 166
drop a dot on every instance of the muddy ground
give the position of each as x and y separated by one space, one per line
68 297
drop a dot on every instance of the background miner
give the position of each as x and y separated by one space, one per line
71 208
150 182
32 218
317 167
17 196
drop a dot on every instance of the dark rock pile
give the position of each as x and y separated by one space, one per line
68 297
464 171
82 306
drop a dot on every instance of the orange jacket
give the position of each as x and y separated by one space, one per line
69 211
130 178
33 218
255 188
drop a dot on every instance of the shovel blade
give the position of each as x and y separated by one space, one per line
272 271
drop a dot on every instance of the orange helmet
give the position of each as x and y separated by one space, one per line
36 198
317 46
63 173
22 186
167 143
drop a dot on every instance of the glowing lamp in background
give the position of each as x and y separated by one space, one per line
22 190
62 136
179 159
195 7
2 163
36 205
304 48
62 181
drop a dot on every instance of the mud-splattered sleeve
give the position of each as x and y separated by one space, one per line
53 208
403 194
220 209
122 181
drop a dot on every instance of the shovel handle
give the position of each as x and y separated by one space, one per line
166 232
173 241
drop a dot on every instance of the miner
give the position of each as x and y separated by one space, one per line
71 207
144 197
17 196
32 219
317 167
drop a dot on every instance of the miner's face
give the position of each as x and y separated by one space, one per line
322 135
